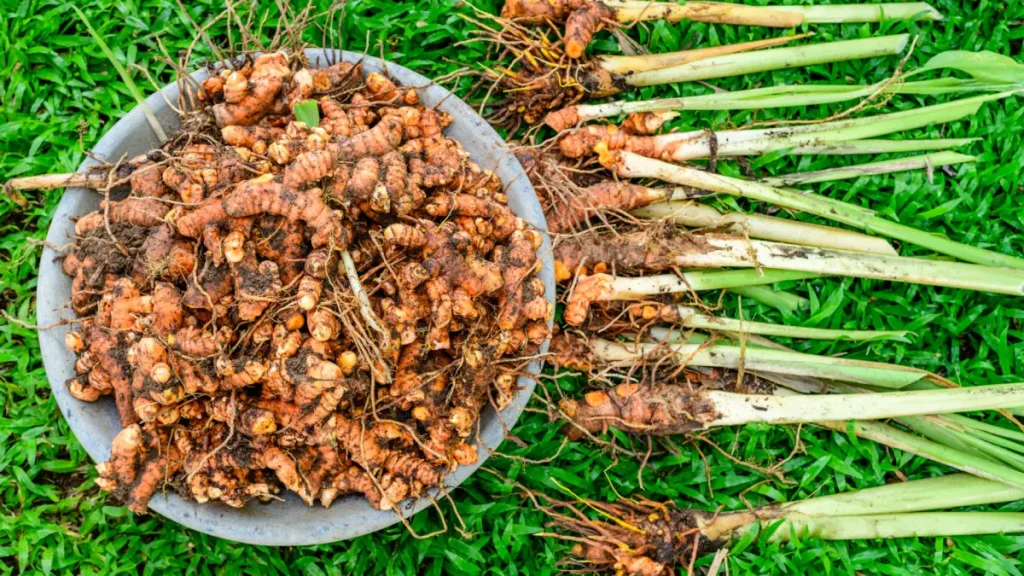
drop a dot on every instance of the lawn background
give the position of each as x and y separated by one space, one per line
59 94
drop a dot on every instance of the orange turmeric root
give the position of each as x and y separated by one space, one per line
565 214
650 409
163 255
538 11
258 96
516 262
375 446
269 197
581 25
629 253
147 213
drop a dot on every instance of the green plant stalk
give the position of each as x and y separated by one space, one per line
934 430
778 299
922 162
992 439
729 251
733 409
692 318
624 288
672 335
771 97
889 511
125 77
963 461
917 524
995 429
950 491
990 429
985 441
631 165
644 62
848 14
773 59
697 215
762 359
629 11
951 438
872 146
809 138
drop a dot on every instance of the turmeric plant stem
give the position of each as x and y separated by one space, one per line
645 62
913 525
91 180
637 288
697 215
765 359
846 14
722 251
963 461
634 166
819 138
894 510
733 408
950 491
778 299
935 429
784 96
628 11
925 161
774 59
691 318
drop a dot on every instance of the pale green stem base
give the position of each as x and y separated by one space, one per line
778 299
634 166
697 215
692 318
926 161
774 59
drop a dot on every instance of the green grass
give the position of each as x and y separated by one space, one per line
59 94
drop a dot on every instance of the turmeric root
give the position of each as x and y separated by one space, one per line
377 141
517 262
193 342
256 284
262 196
647 539
581 25
243 318
253 99
646 123
255 138
147 213
537 11
366 444
571 212
668 409
163 255
625 253
215 285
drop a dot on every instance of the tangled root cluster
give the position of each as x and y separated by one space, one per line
629 537
325 309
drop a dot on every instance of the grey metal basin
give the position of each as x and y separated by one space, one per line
290 522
